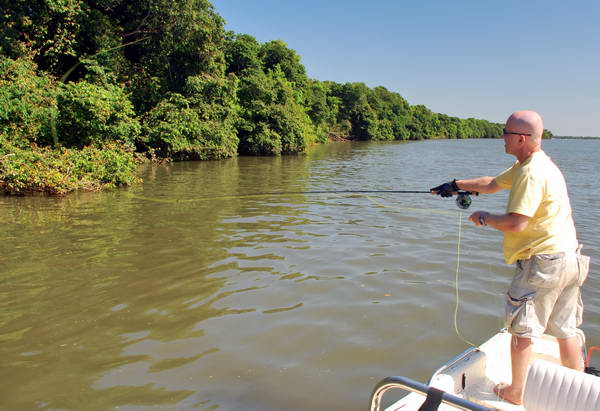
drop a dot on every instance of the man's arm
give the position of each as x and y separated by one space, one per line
512 222
484 185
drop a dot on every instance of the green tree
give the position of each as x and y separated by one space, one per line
421 123
322 108
393 112
272 120
355 109
198 126
277 54
46 30
184 38
241 54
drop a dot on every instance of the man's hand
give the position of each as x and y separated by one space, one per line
478 218
445 190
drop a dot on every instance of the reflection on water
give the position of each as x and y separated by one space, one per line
158 298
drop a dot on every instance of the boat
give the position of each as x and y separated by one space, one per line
467 382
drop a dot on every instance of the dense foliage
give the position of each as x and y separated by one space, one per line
199 125
163 78
90 115
59 171
28 103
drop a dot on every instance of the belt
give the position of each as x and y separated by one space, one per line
557 255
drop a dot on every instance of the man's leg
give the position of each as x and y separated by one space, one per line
570 353
520 351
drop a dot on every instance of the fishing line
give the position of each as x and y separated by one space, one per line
456 282
456 288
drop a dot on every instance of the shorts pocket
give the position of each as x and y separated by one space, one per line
518 311
584 267
546 270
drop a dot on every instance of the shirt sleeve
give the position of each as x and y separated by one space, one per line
504 179
526 196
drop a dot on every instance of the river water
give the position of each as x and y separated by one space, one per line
157 298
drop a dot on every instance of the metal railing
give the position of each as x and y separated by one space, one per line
414 386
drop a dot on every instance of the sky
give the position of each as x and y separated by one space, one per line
483 59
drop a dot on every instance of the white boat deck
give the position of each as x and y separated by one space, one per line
498 369
479 372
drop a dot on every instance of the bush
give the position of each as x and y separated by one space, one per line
200 126
93 114
60 171
27 103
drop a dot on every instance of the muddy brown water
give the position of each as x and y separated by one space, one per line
163 297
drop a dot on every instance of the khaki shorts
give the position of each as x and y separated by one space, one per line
545 295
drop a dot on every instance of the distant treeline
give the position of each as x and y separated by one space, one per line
89 87
578 137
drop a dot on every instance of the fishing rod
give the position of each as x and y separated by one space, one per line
463 198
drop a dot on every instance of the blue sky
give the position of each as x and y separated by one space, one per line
482 59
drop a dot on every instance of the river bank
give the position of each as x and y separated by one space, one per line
43 170
38 170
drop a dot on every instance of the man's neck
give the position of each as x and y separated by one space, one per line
526 154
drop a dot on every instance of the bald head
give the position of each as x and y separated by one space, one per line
527 122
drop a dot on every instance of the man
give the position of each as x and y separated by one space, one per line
539 236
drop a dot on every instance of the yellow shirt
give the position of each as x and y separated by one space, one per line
538 190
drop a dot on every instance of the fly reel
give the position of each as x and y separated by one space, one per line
463 199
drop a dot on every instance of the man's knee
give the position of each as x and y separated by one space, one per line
520 343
